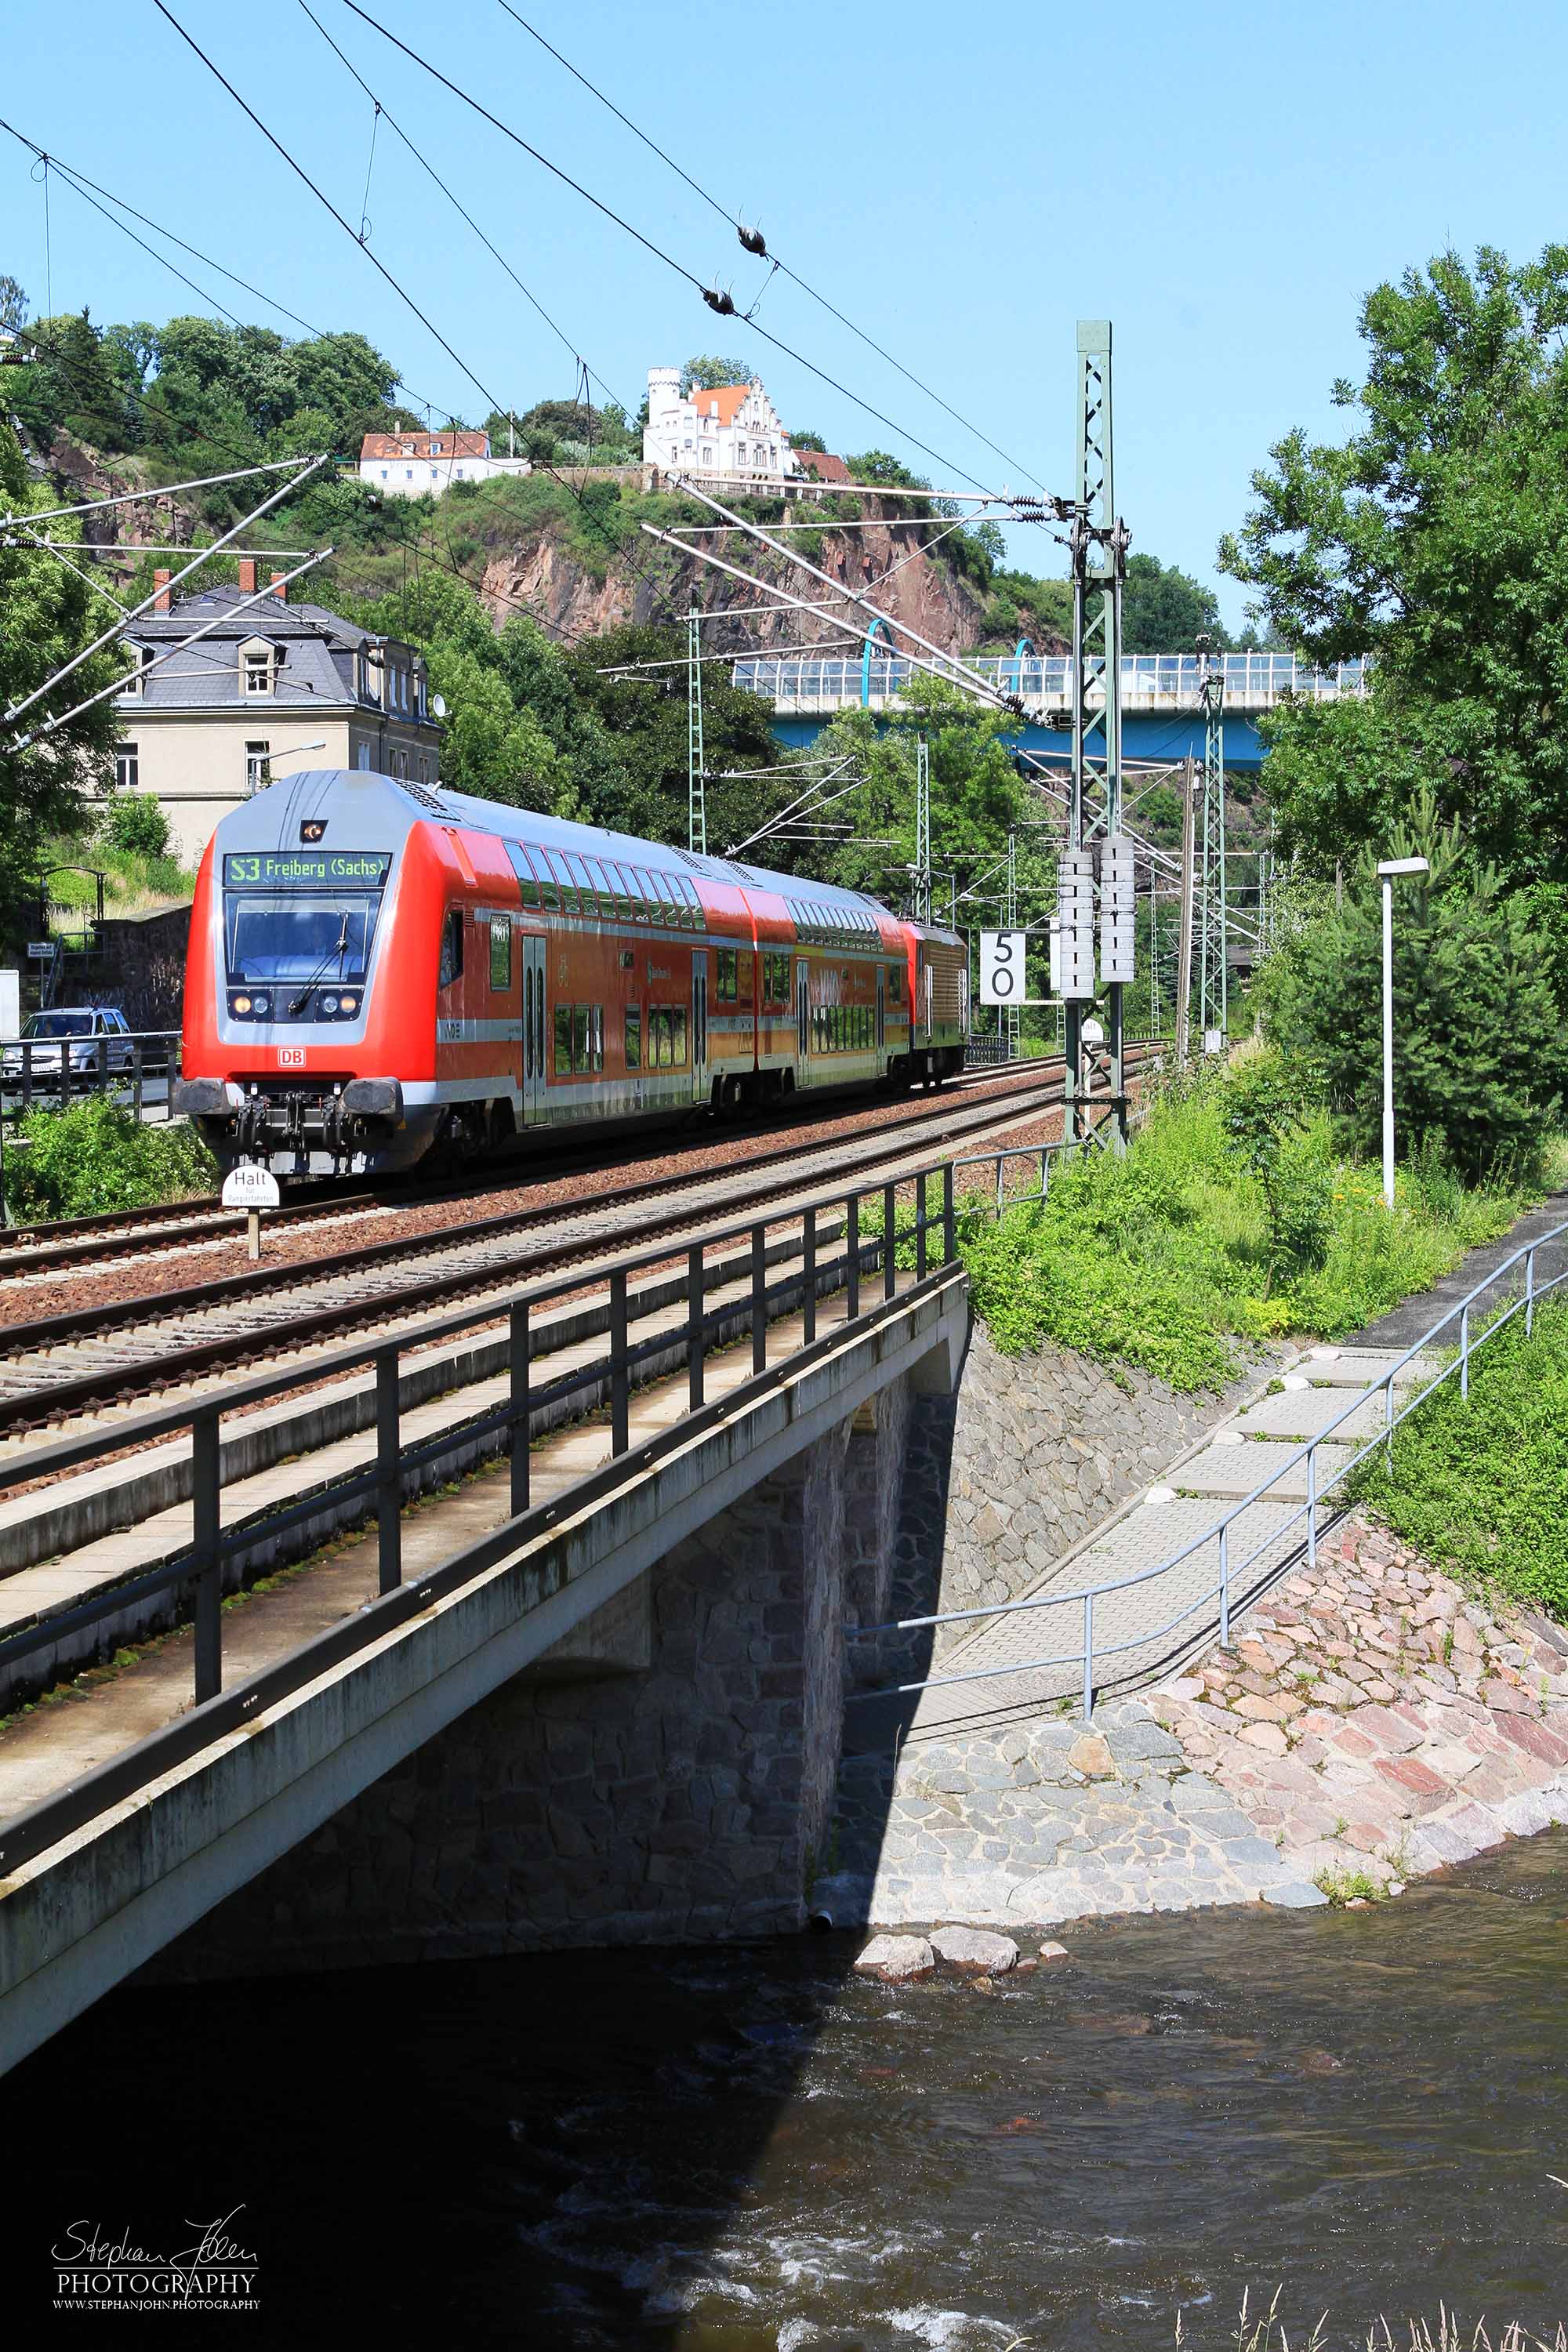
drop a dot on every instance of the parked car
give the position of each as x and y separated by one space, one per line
93 1036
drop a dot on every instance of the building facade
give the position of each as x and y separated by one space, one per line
731 434
424 465
271 691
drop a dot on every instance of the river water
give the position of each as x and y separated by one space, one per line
749 2149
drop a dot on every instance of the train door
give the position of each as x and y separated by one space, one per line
881 1009
802 1025
533 1030
699 1080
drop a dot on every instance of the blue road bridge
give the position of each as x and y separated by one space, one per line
1161 713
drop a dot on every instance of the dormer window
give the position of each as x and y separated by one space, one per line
144 657
255 669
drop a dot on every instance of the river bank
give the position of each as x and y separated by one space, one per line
748 2150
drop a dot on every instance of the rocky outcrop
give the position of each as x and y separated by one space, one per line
544 577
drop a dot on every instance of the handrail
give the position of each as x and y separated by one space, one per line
1307 1450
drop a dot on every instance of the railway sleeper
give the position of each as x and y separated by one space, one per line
106 1525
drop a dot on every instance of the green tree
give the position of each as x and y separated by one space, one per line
707 373
47 614
1434 539
644 716
1482 1052
1165 611
135 821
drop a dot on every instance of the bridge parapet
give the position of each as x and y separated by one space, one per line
800 686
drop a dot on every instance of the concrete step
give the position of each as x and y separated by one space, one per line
1228 1472
1360 1368
1307 1412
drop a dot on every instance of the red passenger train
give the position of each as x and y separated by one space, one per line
381 973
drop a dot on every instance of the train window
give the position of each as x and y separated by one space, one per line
678 1037
747 976
634 1037
776 979
596 1036
695 917
559 868
896 982
527 886
603 890
578 870
548 896
564 1041
580 1035
622 888
725 988
451 949
642 911
501 951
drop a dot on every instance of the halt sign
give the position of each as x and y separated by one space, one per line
1002 967
248 1187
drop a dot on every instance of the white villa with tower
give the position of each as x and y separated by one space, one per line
731 431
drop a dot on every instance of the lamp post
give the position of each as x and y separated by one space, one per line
1386 874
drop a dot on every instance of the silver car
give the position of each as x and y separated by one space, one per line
88 1036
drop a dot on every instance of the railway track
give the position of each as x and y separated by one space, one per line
97 1356
71 1243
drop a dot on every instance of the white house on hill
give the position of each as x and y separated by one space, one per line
409 465
733 431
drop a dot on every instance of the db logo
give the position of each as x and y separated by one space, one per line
290 1057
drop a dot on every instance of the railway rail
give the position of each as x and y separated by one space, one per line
63 1243
100 1355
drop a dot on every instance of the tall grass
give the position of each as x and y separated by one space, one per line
1163 1259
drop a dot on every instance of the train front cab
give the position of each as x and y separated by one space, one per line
939 991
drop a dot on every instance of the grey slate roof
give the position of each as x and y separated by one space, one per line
319 650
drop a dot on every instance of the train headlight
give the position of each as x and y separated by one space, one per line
329 1004
261 1004
242 1004
350 1003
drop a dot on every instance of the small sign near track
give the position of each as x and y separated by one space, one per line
251 1189
248 1187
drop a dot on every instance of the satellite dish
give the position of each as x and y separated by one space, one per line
439 705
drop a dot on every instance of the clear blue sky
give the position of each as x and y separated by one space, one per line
1224 182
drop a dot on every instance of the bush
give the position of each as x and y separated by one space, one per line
1480 1052
1174 1256
95 1157
135 823
1481 1486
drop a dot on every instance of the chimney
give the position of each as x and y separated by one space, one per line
160 584
279 588
247 575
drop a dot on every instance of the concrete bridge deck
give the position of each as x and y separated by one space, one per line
485 1596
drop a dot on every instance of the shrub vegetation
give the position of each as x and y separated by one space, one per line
1230 1218
95 1157
1480 1485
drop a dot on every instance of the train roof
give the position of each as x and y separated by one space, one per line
414 801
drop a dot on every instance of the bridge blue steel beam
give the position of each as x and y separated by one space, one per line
878 627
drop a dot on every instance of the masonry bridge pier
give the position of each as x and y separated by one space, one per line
613 1715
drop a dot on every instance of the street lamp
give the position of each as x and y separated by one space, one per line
1386 872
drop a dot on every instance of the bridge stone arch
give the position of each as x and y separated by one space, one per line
877 628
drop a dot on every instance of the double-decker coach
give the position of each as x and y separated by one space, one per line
381 974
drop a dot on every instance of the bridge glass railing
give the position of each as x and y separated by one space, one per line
1252 680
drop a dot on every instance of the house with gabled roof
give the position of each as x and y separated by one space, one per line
273 688
729 434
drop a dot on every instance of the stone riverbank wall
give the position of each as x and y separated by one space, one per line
667 1775
1009 1476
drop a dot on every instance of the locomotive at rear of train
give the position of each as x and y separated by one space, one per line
380 974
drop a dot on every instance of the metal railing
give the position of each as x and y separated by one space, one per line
1159 681
138 1068
839 1257
1233 1573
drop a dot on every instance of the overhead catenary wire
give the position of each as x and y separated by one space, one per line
752 241
391 280
310 465
117 686
724 307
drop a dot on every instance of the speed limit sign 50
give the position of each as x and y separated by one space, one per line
1002 967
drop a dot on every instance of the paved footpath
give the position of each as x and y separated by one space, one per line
1368 1722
